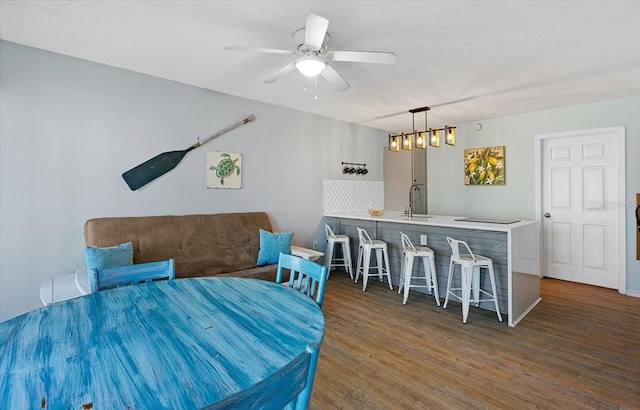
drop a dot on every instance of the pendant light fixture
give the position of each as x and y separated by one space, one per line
420 138
434 138
450 135
407 143
394 143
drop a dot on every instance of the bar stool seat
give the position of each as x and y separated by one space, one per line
345 243
409 252
470 265
364 258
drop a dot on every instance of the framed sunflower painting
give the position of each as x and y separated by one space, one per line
484 166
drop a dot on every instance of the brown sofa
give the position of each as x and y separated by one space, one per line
201 245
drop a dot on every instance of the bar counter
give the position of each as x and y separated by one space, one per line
513 246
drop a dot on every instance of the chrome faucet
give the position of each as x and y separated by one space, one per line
411 200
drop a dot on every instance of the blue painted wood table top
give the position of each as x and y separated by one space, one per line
177 344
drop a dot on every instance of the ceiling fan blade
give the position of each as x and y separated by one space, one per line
258 49
284 70
334 78
375 57
315 30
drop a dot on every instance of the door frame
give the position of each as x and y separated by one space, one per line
614 132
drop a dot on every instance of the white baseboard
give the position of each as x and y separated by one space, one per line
634 293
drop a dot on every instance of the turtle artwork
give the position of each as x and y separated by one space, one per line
224 170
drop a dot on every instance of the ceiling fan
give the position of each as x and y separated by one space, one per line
313 57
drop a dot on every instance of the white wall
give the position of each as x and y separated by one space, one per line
69 128
516 199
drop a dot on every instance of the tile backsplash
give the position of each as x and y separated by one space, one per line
341 195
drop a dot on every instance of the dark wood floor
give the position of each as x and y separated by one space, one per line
578 349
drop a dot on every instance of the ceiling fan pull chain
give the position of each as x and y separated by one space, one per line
315 80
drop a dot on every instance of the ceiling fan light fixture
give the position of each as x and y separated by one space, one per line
312 51
310 66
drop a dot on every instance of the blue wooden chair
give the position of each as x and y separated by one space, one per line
289 388
129 275
305 276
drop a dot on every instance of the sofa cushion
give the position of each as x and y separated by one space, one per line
271 244
109 257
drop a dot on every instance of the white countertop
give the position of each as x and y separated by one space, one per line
431 220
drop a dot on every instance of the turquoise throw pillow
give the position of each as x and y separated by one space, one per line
271 244
109 257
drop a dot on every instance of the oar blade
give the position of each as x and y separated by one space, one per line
152 169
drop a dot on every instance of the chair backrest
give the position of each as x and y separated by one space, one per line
288 387
455 248
363 236
406 242
305 276
329 231
129 275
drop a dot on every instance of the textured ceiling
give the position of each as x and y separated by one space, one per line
468 60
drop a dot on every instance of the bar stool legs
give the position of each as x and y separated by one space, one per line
345 261
470 266
364 259
409 252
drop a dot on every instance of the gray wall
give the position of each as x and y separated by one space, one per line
69 128
516 199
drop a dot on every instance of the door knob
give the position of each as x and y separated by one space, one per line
547 215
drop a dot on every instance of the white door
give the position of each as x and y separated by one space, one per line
581 191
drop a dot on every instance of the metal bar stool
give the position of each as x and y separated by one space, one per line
364 258
409 252
345 243
470 266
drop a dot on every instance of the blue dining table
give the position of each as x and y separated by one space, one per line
179 344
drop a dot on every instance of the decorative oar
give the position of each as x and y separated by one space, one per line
165 162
